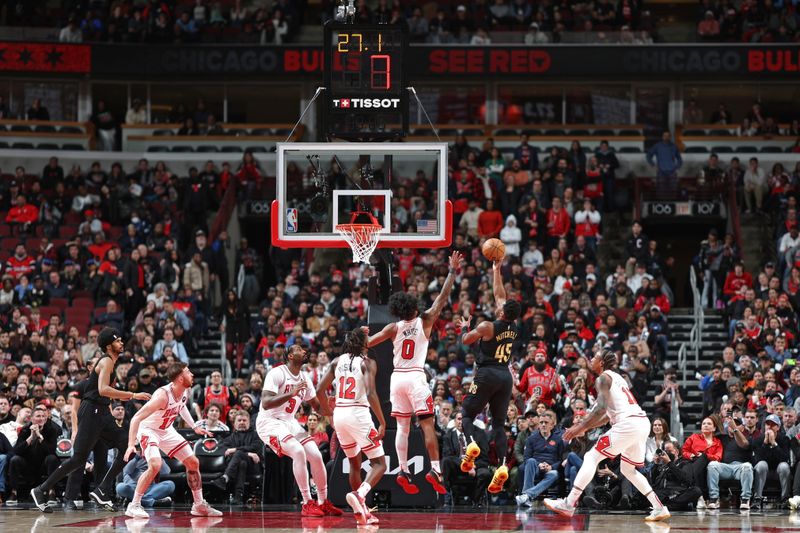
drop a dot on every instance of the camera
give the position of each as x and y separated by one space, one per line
660 452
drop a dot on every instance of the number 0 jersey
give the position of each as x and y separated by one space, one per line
278 381
497 351
164 418
621 403
350 382
410 345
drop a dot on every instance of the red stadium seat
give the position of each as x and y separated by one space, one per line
48 310
60 303
9 243
5 229
73 218
83 303
82 294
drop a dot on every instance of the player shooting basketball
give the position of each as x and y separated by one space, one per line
408 389
626 438
493 381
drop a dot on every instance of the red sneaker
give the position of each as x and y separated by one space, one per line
311 508
435 479
329 509
404 480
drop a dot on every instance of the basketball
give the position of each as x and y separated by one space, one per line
494 250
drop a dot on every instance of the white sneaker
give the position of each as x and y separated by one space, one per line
701 503
357 504
204 509
794 503
135 510
522 499
657 515
559 506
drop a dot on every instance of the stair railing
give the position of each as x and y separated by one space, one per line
695 335
675 424
225 368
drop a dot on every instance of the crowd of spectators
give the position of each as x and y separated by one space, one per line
750 21
165 22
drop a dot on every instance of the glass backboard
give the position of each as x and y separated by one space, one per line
321 185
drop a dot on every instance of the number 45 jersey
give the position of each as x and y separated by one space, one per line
497 351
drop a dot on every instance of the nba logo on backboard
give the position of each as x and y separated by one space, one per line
291 220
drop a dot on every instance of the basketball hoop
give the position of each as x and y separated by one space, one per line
361 234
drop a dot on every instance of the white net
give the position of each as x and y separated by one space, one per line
362 238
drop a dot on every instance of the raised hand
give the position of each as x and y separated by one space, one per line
455 261
463 322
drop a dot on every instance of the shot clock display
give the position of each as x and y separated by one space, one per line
366 95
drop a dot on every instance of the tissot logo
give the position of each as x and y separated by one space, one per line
366 103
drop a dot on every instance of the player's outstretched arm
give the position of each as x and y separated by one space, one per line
158 401
104 388
498 289
430 316
597 415
372 395
388 332
323 386
484 330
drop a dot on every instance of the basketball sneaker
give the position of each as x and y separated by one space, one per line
329 509
404 480
204 509
135 510
657 515
794 503
435 478
358 505
498 480
560 506
468 461
311 508
101 499
39 500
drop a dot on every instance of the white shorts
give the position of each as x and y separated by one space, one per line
627 438
274 432
167 440
356 432
410 394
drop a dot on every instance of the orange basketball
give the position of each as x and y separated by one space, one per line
494 250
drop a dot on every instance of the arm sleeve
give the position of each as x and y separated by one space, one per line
187 417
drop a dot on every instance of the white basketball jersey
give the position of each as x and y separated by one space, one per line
621 403
279 380
350 382
164 418
410 345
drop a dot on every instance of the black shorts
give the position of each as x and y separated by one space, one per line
492 385
95 423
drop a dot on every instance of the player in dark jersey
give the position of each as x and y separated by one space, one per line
493 381
95 422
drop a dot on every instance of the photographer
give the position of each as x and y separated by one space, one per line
605 490
672 479
663 400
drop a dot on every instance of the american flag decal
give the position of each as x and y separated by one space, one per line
426 226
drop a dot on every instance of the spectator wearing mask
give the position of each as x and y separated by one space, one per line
242 456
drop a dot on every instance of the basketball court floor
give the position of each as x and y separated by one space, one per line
285 519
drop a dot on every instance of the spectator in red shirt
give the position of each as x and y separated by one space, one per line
23 215
736 280
249 174
540 381
20 264
558 223
490 221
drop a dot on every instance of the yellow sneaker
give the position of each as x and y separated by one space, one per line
468 461
499 479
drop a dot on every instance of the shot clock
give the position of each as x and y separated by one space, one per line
366 96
